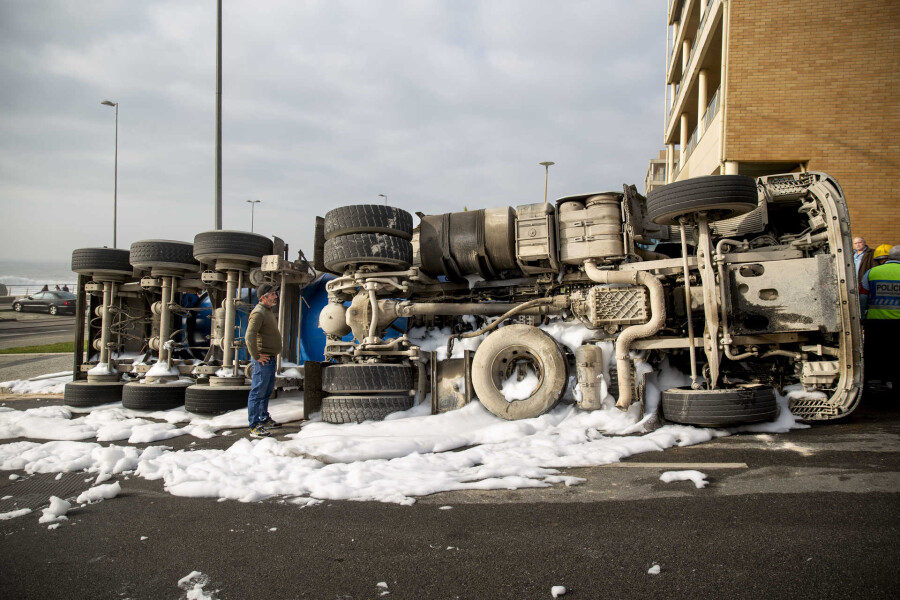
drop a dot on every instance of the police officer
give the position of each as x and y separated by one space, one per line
879 295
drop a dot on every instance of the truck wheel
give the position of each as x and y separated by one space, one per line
87 261
214 400
153 396
368 218
499 357
719 408
356 379
147 254
356 409
85 393
210 246
367 249
720 196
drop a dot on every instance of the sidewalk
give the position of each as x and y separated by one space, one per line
26 366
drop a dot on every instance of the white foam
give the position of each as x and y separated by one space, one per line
99 493
56 511
14 514
697 477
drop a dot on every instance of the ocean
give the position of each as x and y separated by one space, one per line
26 277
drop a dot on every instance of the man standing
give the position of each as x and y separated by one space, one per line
862 257
879 294
264 344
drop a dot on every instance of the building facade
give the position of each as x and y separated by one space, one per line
756 87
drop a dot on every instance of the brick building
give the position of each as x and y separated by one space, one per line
765 86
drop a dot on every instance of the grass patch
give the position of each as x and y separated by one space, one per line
59 347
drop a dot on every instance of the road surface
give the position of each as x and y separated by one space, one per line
812 513
34 329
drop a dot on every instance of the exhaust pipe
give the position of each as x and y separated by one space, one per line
630 334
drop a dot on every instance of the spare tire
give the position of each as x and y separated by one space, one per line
720 407
244 246
356 409
147 254
720 196
356 379
498 356
89 261
367 249
368 218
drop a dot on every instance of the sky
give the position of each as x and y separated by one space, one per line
440 105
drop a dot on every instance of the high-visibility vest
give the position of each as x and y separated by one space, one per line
884 291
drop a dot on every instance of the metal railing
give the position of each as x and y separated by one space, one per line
691 143
705 16
16 290
712 108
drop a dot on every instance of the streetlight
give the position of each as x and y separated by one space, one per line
385 198
253 204
546 164
116 176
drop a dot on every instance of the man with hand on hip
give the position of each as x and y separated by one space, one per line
264 344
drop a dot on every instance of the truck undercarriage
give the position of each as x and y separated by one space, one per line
746 285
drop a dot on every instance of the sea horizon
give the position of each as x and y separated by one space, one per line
26 274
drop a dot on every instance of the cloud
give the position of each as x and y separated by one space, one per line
439 105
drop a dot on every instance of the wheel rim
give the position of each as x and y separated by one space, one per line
516 360
17 308
516 349
53 310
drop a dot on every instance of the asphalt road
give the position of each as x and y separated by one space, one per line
808 514
34 329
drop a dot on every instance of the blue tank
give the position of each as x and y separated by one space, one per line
314 297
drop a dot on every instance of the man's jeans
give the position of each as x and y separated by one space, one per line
262 383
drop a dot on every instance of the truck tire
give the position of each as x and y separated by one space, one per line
368 218
153 396
356 409
210 246
215 400
720 196
357 379
367 249
85 393
495 360
719 408
147 254
87 261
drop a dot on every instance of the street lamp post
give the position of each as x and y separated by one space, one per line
546 165
385 198
116 172
253 204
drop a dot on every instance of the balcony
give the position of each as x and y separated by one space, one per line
705 52
701 155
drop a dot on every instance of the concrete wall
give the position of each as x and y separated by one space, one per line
820 82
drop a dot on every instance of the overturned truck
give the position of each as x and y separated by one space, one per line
746 285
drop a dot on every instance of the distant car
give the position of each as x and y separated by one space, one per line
50 302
